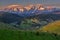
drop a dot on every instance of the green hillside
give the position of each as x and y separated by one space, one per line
8 32
4 26
26 35
53 27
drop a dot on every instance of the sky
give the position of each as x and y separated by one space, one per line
26 2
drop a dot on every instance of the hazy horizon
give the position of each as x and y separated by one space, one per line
26 2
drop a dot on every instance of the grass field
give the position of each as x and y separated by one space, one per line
26 35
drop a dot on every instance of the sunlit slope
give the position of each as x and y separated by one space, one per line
53 27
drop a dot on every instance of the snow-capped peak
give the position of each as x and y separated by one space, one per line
14 8
29 8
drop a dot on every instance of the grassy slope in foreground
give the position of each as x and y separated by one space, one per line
53 27
26 35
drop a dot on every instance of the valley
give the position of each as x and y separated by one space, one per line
29 23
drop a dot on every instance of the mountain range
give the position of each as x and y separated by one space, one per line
30 9
31 15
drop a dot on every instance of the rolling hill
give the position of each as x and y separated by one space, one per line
53 27
4 26
34 21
